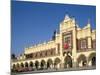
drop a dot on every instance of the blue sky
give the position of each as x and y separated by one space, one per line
34 22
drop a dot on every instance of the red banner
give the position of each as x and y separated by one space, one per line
66 46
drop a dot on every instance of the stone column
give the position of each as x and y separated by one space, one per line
74 49
53 65
39 66
74 62
62 63
89 63
89 43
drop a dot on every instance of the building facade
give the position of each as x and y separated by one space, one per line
71 47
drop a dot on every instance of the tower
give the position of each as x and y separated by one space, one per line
68 36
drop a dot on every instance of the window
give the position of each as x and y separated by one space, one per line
38 54
51 52
67 42
94 44
48 52
29 56
41 54
35 55
58 48
83 44
44 53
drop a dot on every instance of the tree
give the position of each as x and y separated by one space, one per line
13 56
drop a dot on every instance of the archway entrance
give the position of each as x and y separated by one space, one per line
57 63
17 65
68 62
22 65
31 66
14 68
37 65
82 62
49 63
92 59
26 67
43 64
26 64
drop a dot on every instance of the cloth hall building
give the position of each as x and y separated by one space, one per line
71 47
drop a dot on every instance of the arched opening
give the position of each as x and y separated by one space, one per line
22 65
43 64
31 64
17 65
57 63
92 59
36 65
49 63
26 67
13 68
82 62
68 62
26 64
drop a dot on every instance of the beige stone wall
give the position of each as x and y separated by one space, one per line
68 24
40 47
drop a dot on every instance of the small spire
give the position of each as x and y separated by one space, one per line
67 16
73 20
88 24
88 21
